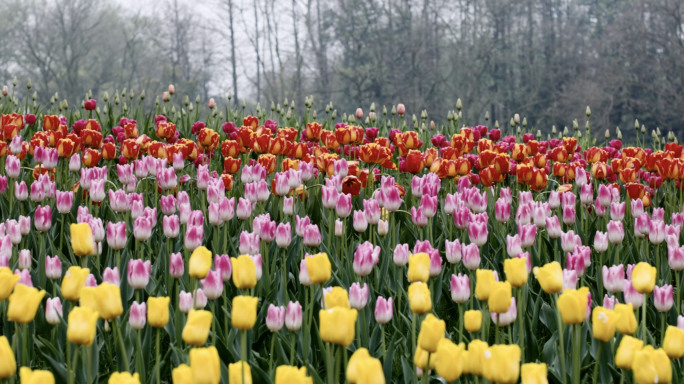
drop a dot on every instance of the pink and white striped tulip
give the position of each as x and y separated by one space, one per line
663 297
53 311
383 310
138 315
275 318
139 273
460 288
293 316
358 295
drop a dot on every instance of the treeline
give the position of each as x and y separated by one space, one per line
544 59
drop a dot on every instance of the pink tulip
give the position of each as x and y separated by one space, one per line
358 295
477 233
656 231
24 225
680 322
527 233
401 255
587 195
199 298
124 173
138 315
301 224
304 273
599 209
24 277
185 301
171 226
111 276
642 225
658 214
12 166
502 210
222 264
677 218
613 278
275 318
553 227
142 228
575 262
282 183
675 258
166 179
383 227
460 288
605 196
554 199
3 184
568 241
53 267
524 214
391 199
283 235
258 263
600 241
568 199
264 227
569 214
609 301
329 198
24 260
339 228
471 256
53 311
194 236
343 207
637 207
451 202
569 279
294 178
244 209
462 218
476 201
116 235
513 245
418 218
616 232
118 201
43 218
360 223
249 243
428 206
64 201
167 204
20 191
371 209
617 211
383 310
202 177
212 285
293 316
631 295
262 191
453 251
581 176
366 257
139 273
663 298
288 206
75 162
14 231
227 208
435 264
506 318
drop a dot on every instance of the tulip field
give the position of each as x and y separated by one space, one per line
191 243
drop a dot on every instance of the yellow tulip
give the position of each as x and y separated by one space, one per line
124 378
200 262
516 271
337 297
352 373
533 373
182 375
23 304
484 279
651 366
158 311
8 365
420 359
449 360
572 305
244 312
73 281
644 277
431 332
472 319
419 267
110 306
624 356
319 268
287 374
500 297
82 241
238 370
244 272
81 326
419 298
502 363
337 325
603 323
370 371
27 376
550 277
476 355
205 365
674 342
7 282
89 298
197 327
626 321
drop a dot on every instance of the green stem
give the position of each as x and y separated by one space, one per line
243 352
292 347
426 372
329 369
122 346
598 361
270 355
157 354
561 342
576 347
643 318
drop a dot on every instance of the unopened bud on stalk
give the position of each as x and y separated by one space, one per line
512 122
367 121
278 110
28 84
459 105
422 127
244 105
566 131
384 110
636 124
496 124
334 114
230 96
123 93
432 125
186 100
5 90
539 134
372 107
131 94
579 135
619 135
518 130
394 110
314 115
414 119
172 89
516 118
658 131
588 112
607 135
197 99
487 116
587 127
288 115
670 135
105 97
14 81
643 129
450 116
173 110
575 125
424 114
524 122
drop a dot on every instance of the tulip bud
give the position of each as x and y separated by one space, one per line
293 316
53 311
